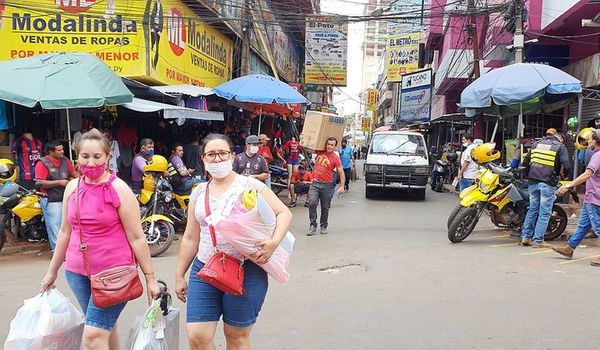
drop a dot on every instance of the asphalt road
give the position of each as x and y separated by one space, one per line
407 287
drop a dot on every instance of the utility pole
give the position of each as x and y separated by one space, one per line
478 125
245 50
519 38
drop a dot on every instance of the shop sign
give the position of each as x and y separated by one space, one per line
365 124
112 30
174 47
415 97
402 55
315 88
326 49
372 100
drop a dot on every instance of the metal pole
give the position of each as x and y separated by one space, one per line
495 129
520 126
69 136
518 38
579 113
260 119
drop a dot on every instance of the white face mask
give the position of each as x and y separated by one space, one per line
219 170
253 149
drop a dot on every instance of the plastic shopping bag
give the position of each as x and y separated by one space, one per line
155 331
47 321
249 220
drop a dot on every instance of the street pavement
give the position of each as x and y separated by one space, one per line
401 285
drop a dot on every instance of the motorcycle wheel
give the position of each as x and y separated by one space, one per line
557 223
432 182
2 236
161 238
277 189
439 183
463 225
453 214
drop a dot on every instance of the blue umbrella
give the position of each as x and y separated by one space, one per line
505 91
516 84
259 88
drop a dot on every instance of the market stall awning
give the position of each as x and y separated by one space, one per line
190 90
171 111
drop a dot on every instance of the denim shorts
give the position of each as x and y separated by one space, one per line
206 303
98 317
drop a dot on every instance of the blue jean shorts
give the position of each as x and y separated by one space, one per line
98 317
206 303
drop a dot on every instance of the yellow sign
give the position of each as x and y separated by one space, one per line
365 124
185 50
402 55
171 47
111 30
372 100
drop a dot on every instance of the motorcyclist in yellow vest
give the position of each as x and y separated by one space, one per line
543 163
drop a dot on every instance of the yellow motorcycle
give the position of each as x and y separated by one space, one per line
158 228
505 198
23 208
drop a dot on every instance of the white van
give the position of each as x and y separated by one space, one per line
396 159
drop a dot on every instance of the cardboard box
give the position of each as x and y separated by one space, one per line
318 127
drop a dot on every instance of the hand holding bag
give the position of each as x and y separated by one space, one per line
111 286
222 271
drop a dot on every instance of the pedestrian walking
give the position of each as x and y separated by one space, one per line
292 150
54 172
589 217
321 189
139 162
468 167
347 158
107 219
250 163
205 303
543 164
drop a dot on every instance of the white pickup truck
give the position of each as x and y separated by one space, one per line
396 159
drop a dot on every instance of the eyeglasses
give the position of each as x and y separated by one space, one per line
212 156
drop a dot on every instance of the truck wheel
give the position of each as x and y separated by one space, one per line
420 194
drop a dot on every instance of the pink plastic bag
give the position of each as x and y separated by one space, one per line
243 228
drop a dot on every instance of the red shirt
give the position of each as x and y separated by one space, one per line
41 172
293 148
265 152
324 166
297 177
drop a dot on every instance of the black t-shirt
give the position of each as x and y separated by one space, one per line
255 165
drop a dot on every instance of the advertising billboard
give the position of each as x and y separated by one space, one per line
326 48
415 97
173 47
402 55
372 100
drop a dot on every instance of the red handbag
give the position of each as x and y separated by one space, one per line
111 286
222 271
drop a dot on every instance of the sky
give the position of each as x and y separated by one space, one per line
347 101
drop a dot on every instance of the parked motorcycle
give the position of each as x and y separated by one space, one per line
438 175
279 178
498 192
23 207
155 195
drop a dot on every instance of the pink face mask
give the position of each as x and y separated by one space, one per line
92 172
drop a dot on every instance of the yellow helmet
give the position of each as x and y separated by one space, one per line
157 164
582 139
485 153
8 171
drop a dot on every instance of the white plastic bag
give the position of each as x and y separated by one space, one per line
243 228
153 331
47 321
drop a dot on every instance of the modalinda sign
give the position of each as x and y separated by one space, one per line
161 41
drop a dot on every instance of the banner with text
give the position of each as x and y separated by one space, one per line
173 47
402 55
326 48
372 100
415 97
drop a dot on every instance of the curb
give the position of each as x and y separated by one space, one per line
24 248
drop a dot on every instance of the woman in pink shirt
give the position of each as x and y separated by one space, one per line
110 219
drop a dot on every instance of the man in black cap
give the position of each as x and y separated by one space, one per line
249 163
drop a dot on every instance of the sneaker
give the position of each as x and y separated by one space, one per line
565 251
595 262
323 230
526 242
292 205
312 231
541 245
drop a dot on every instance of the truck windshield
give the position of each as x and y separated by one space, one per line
398 144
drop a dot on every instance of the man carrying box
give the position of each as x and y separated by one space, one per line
320 190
